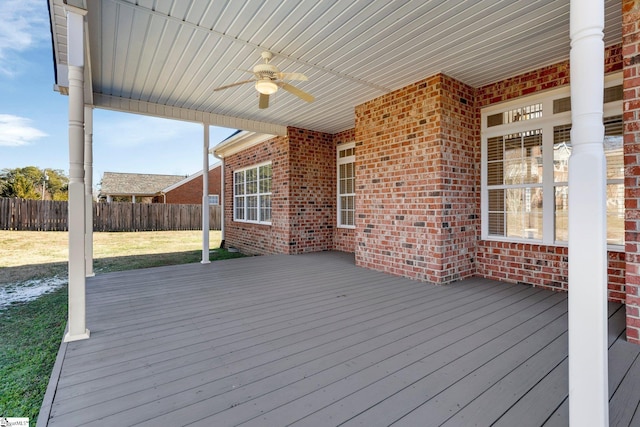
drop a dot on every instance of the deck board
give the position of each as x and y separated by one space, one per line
313 340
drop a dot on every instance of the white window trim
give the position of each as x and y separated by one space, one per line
341 161
214 195
257 167
547 122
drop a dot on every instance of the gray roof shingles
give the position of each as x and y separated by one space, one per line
116 183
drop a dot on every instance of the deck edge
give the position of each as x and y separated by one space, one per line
52 387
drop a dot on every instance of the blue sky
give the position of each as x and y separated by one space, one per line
34 120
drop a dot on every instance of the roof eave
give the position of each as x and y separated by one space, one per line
239 142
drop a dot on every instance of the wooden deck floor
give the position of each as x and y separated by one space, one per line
312 340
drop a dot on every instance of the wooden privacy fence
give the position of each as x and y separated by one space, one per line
48 215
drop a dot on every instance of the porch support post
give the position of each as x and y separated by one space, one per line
205 196
88 193
222 201
588 368
77 310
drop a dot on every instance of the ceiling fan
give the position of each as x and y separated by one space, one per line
268 79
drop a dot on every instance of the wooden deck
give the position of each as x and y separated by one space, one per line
312 340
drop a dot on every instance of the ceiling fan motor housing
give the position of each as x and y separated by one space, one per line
266 71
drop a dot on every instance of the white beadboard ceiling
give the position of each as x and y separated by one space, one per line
165 57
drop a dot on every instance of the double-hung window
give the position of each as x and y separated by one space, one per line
346 185
526 145
252 194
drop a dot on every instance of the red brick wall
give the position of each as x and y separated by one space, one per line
258 238
303 195
312 163
344 239
191 192
631 116
539 265
416 178
550 77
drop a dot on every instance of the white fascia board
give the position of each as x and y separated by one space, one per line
176 113
239 142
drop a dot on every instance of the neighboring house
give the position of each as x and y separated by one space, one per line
438 181
189 189
134 187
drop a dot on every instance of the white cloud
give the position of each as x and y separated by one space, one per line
24 25
126 130
16 131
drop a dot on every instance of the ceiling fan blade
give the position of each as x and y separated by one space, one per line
297 92
264 101
292 76
234 84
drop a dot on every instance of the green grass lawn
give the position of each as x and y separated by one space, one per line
30 333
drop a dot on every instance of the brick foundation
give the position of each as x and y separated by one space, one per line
541 266
631 115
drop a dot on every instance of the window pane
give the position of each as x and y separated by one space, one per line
522 160
239 207
239 183
561 152
615 214
494 173
265 208
350 188
252 208
251 177
613 147
265 179
346 188
347 210
496 223
495 149
496 200
524 212
562 213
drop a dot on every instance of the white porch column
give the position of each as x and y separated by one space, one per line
222 202
88 190
588 367
75 39
205 196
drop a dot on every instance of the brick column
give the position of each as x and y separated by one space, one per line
631 116
417 156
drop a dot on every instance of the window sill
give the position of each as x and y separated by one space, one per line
610 247
252 222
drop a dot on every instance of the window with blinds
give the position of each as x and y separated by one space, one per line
346 185
252 194
526 145
514 182
613 151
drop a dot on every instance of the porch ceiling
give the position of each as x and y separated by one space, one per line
167 56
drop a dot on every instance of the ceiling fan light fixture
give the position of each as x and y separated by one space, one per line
266 86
